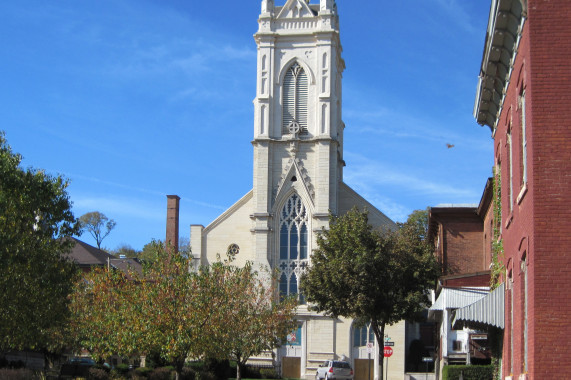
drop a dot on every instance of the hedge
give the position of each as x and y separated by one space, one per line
468 372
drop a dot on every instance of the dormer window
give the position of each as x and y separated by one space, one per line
295 95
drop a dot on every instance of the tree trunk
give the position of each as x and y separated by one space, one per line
380 335
179 365
239 367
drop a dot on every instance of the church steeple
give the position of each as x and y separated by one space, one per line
298 130
298 168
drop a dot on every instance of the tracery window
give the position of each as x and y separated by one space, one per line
295 95
233 249
363 335
293 243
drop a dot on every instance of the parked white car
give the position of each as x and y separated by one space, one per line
334 370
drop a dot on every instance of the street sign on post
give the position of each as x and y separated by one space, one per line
388 352
370 347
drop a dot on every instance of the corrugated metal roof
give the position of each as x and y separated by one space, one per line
454 298
487 311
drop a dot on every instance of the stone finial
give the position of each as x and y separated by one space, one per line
326 5
267 6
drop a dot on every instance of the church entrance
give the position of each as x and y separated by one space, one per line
291 354
363 343
364 369
291 367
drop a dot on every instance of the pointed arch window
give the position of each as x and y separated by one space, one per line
293 245
363 335
295 96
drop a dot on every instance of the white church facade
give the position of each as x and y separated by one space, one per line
298 180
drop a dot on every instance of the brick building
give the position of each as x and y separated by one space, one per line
461 235
524 96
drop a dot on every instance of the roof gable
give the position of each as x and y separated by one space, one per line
84 254
296 9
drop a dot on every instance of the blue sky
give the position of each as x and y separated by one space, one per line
136 99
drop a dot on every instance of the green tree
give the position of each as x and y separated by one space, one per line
148 253
35 275
125 250
254 319
217 311
162 311
103 314
97 225
377 276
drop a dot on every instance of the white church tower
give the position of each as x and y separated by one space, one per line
298 132
298 173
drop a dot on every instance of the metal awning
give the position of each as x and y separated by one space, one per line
454 298
488 311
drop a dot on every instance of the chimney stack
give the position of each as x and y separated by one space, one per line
172 222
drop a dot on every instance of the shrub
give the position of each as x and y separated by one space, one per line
269 373
105 368
155 360
122 369
143 371
219 368
98 374
196 366
207 376
188 374
162 373
468 372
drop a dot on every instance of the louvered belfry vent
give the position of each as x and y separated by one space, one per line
295 96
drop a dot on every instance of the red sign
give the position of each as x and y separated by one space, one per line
291 337
388 351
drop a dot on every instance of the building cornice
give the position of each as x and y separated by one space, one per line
505 25
287 140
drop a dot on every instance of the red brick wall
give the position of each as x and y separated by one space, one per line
550 61
462 244
477 280
539 225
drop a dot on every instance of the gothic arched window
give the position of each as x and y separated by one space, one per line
293 245
295 95
363 335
